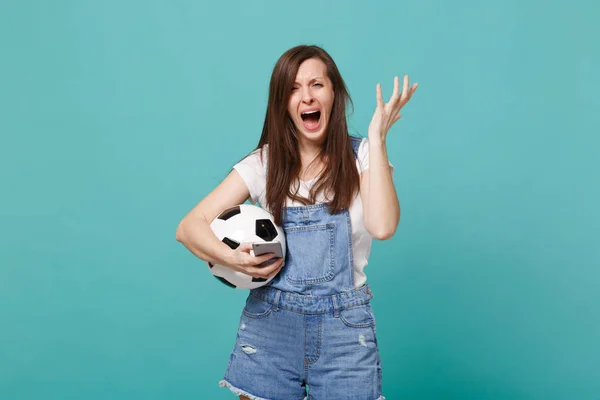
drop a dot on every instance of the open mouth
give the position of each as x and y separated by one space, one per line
311 120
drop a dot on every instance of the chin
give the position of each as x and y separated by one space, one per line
313 136
317 138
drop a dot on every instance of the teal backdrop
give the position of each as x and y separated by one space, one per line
117 117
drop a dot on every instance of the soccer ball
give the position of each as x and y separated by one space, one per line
244 223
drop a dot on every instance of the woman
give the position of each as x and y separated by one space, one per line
312 327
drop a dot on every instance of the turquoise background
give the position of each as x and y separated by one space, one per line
117 117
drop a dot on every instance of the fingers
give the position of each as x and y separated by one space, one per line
279 265
265 272
396 88
405 87
250 265
379 96
398 95
250 260
406 94
262 258
412 90
245 247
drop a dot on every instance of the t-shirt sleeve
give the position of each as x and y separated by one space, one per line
252 171
363 156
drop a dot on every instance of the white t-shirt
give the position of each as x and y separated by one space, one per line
253 172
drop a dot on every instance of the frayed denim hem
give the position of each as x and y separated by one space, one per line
379 398
239 392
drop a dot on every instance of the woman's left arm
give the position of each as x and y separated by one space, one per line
381 208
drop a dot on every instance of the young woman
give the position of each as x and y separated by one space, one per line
312 327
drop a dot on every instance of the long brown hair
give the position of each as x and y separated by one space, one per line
340 176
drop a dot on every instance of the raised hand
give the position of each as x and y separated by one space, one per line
386 114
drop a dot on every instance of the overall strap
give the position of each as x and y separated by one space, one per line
356 141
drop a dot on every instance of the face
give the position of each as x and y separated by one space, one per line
311 100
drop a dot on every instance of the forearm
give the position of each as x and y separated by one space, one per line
197 236
383 205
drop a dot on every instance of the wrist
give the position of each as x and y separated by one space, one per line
226 256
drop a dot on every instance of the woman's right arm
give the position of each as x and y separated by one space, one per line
195 234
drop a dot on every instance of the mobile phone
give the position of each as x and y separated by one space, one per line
261 248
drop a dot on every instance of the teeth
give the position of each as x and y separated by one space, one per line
310 112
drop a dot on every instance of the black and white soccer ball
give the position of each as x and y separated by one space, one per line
244 223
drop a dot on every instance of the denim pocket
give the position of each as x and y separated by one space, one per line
358 317
310 253
256 308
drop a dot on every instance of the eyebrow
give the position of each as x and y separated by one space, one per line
312 80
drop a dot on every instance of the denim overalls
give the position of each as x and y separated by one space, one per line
309 326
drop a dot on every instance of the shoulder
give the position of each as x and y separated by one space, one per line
252 169
256 159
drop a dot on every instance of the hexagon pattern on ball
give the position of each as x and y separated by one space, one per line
244 223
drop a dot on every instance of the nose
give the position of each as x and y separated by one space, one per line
307 96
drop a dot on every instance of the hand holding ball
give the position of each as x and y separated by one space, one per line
239 227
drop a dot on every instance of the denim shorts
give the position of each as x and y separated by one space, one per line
293 347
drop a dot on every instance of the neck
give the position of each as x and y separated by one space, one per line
309 148
311 164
